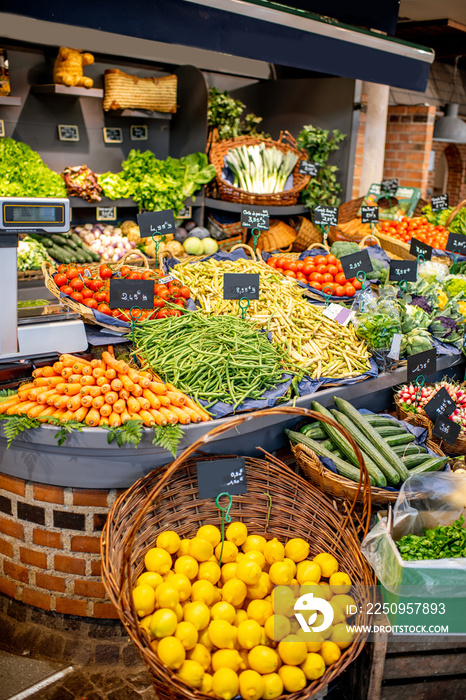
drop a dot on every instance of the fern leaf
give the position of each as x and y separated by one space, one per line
168 437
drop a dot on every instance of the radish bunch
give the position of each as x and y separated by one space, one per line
410 396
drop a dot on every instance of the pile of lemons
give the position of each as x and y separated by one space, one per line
217 627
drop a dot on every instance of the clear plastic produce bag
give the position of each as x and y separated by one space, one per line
425 501
377 321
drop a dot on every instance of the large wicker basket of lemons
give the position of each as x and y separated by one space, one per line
212 608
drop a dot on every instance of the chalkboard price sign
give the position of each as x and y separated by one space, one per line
221 476
241 285
389 187
156 223
439 202
325 216
403 270
440 405
356 262
68 132
127 293
105 213
419 248
423 363
138 132
369 215
308 167
113 134
456 242
255 217
446 429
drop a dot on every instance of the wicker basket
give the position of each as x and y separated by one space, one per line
226 191
422 420
30 275
280 236
123 91
307 233
454 212
167 498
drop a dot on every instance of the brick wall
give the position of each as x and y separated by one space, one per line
456 159
50 546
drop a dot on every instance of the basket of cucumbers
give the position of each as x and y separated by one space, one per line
391 453
66 248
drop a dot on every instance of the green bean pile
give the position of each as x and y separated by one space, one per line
213 358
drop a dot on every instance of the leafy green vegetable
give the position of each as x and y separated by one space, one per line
342 248
442 542
413 317
377 329
130 433
23 173
31 254
455 284
168 437
324 188
225 115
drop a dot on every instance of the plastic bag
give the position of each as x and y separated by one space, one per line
377 321
432 272
424 501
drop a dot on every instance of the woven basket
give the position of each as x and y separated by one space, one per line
123 91
280 236
227 192
422 420
418 419
454 212
307 233
167 498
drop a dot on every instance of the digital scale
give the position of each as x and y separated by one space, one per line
35 329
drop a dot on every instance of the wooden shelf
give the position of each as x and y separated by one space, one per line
221 205
138 114
78 203
68 91
9 100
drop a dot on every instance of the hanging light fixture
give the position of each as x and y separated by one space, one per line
451 128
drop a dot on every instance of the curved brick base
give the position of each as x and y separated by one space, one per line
50 547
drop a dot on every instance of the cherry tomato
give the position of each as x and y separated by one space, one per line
94 284
316 277
301 277
356 284
287 264
163 313
290 273
327 277
116 313
333 270
104 309
299 265
77 296
135 276
105 272
320 260
164 294
174 312
180 302
159 288
315 285
125 271
331 259
280 262
272 262
99 297
158 303
185 292
350 291
339 265
308 267
87 293
61 269
77 284
72 273
340 278
107 297
321 269
66 289
339 291
175 292
146 275
60 279
91 303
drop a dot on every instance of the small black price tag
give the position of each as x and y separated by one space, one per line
221 476
356 262
241 285
308 167
456 242
439 202
424 363
113 134
440 404
255 217
389 187
446 430
403 270
127 293
369 215
156 222
325 216
106 213
138 132
419 248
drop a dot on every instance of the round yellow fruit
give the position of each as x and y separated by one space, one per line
167 596
182 584
263 659
292 650
328 564
260 610
168 540
149 578
297 549
273 686
248 571
203 591
163 623
346 603
183 548
234 592
280 574
198 614
199 549
308 572
241 616
313 640
274 551
255 556
341 636
187 565
249 634
338 614
209 571
192 673
283 601
236 533
313 666
210 533
291 565
277 627
228 571
179 612
158 560
226 658
261 588
223 611
145 623
222 634
171 652
206 685
200 654
320 621
254 542
330 652
293 678
205 639
187 634
144 600
325 591
340 583
225 684
229 553
251 685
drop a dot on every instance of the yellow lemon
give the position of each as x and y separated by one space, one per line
187 565
192 673
209 533
277 627
158 560
170 541
144 600
222 634
313 666
154 644
313 640
167 596
198 614
225 684
273 686
260 610
200 654
255 556
187 634
293 678
327 563
171 652
149 578
244 659
341 636
241 616
274 551
206 685
254 542
291 565
236 533
228 571
249 634
200 549
263 659
283 601
297 549
310 587
226 658
330 652
338 614
204 591
229 553
248 571
205 639
261 588
292 651
340 583
346 603
234 592
223 611
183 548
217 595
209 571
240 556
179 612
182 584
320 621
145 624
163 623
325 590
280 574
251 685
308 572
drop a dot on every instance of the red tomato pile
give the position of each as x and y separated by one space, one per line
94 291
419 228
323 272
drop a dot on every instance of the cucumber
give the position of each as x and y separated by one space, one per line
383 448
76 239
60 254
375 420
434 464
388 430
314 430
343 467
386 469
410 449
416 460
396 440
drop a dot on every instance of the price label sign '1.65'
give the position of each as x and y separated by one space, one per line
403 270
241 286
419 248
325 216
422 364
221 476
255 217
127 293
456 243
356 262
156 223
446 429
440 405
369 215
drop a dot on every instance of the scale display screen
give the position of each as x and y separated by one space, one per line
33 214
41 214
